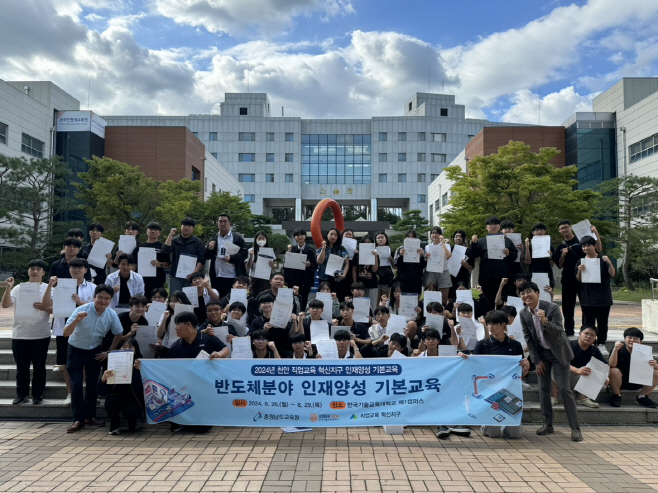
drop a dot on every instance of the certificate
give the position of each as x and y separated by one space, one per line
397 354
582 229
146 334
155 311
295 261
396 325
435 322
445 350
517 240
464 296
238 294
411 247
182 308
516 302
284 295
127 244
591 384
327 349
495 247
361 310
28 294
384 253
280 314
203 355
221 333
349 244
592 272
186 265
455 262
431 297
262 268
241 348
641 372
336 328
334 264
144 258
469 330
192 294
437 258
516 330
366 255
319 331
121 361
230 248
97 255
328 305
541 280
541 246
63 302
239 324
408 304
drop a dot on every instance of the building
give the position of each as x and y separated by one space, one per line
287 164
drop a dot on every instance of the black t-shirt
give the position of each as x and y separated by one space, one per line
160 276
596 293
126 322
307 329
543 265
574 254
491 345
582 357
364 273
124 292
279 336
358 329
624 363
182 349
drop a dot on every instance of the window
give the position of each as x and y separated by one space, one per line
438 158
244 112
289 178
3 133
289 137
269 157
402 177
196 134
402 157
644 148
444 199
421 156
444 111
247 157
269 177
246 136
383 178
214 154
249 197
336 159
438 137
402 135
212 136
383 157
269 136
421 198
290 157
422 177
32 146
437 205
196 174
471 136
246 177
411 105
434 176
383 137
421 136
214 188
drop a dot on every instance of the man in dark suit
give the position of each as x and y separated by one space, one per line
225 268
549 350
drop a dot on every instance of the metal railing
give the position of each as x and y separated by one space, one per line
654 287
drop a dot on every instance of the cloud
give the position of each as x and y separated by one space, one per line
555 108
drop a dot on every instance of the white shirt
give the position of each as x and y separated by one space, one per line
135 285
445 261
85 293
224 269
38 328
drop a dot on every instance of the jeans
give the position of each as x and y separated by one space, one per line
34 352
82 366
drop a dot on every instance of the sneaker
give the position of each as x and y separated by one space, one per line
615 400
604 350
21 400
525 385
587 402
645 401
554 401
59 367
174 427
114 432
462 431
67 401
443 432
37 400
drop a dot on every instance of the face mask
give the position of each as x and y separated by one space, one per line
261 243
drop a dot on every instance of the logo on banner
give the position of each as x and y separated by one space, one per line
163 403
314 418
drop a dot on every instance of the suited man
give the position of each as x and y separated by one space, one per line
550 350
225 268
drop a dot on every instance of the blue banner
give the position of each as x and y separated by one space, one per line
482 390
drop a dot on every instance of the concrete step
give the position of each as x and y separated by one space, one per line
627 396
5 341
7 357
627 414
54 390
50 409
8 373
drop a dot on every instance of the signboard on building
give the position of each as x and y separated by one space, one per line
81 121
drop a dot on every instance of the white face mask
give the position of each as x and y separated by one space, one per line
261 243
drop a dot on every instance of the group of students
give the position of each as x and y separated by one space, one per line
94 328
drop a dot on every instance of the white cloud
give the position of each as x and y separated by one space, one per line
554 109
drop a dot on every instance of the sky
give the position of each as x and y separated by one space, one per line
513 61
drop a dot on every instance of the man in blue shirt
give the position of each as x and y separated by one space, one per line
85 329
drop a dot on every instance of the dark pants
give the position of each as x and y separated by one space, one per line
490 287
82 366
600 314
223 285
34 352
569 293
303 295
562 378
115 405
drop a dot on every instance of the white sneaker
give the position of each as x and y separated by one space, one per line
554 401
525 385
603 349
58 368
67 401
587 402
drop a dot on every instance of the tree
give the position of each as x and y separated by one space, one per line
206 213
518 185
411 219
632 203
177 200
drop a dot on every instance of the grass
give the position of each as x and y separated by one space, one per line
637 295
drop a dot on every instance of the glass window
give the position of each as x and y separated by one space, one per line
269 177
444 111
289 157
289 178
402 157
247 157
336 158
289 137
402 177
196 134
434 176
420 199
422 177
244 112
3 133
421 136
246 177
438 137
214 188
402 136
383 137
249 197
269 136
421 156
244 136
269 157
444 199
383 178
382 157
32 146
214 154
438 158
196 174
644 148
212 136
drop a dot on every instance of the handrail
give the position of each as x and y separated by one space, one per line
654 283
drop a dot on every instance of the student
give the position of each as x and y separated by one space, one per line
224 269
410 274
385 346
184 244
217 317
262 347
205 293
96 231
465 310
347 348
30 337
277 281
366 275
358 290
125 282
441 279
161 262
159 294
278 335
448 334
503 292
358 331
131 229
131 320
620 365
301 348
596 298
167 330
542 265
316 307
60 268
394 303
325 287
507 227
241 282
378 329
464 274
332 245
258 285
385 273
550 350
303 279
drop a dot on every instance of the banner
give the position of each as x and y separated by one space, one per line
482 390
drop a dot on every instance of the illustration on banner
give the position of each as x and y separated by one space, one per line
163 403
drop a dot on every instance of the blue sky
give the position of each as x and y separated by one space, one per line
331 58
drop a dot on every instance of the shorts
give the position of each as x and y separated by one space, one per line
62 343
442 279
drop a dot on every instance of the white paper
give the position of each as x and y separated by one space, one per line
411 255
295 261
591 384
516 330
437 258
262 268
541 246
384 254
221 333
516 302
238 294
319 331
292 429
284 295
408 305
280 314
366 257
63 303
203 355
469 330
435 321
328 305
541 280
464 296
155 311
241 348
592 272
127 244
516 240
192 294
349 244
146 334
97 255
240 325
28 294
182 308
641 372
396 325
186 266
495 247
327 349
582 229
231 248
144 258
397 354
336 328
335 263
455 262
361 310
121 361
431 297
445 350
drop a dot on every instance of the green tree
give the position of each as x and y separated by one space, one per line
518 185
632 202
206 213
176 202
411 219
